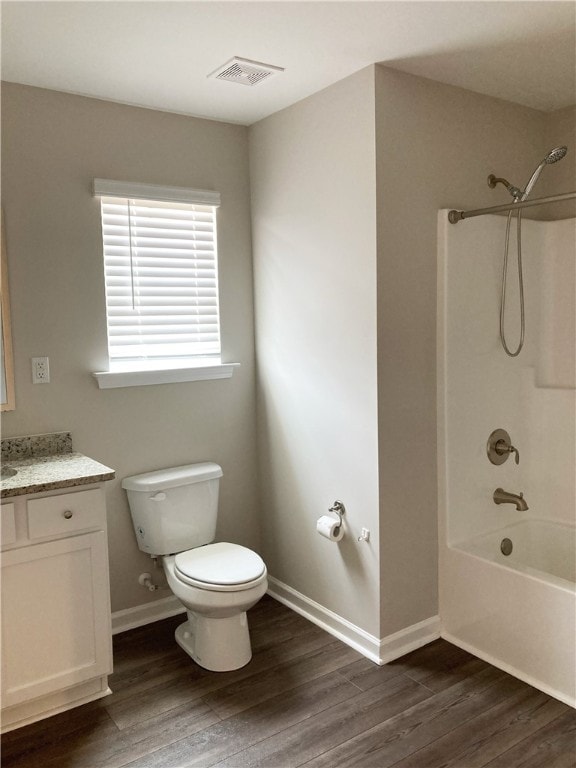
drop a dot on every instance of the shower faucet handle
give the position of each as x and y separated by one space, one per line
502 447
499 447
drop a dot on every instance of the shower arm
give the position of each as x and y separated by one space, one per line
455 216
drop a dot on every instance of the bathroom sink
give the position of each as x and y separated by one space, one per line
7 472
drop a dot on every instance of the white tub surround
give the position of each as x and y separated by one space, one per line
517 611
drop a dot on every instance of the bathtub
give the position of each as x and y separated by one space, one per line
516 611
541 549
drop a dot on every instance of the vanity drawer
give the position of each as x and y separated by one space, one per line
8 524
65 513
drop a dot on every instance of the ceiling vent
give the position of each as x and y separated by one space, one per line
245 71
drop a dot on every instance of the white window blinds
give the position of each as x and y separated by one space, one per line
160 262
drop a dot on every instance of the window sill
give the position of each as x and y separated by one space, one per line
167 374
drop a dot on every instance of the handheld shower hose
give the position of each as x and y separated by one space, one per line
552 157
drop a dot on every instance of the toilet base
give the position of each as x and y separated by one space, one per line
220 645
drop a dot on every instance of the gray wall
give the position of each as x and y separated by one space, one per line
53 145
314 230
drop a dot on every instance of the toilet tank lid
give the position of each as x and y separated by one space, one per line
172 477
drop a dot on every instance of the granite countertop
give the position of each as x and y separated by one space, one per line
47 473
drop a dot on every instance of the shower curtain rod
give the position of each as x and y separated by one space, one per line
455 216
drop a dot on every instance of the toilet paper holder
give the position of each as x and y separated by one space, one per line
339 508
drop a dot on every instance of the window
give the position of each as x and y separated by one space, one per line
161 276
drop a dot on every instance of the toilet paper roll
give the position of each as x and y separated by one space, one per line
330 528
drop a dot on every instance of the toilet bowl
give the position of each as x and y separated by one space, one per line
216 633
174 515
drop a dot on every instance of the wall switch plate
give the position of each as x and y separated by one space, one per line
40 370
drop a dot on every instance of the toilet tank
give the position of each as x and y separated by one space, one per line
174 509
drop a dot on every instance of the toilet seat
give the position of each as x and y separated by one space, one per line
220 567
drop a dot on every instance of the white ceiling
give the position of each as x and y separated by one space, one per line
158 54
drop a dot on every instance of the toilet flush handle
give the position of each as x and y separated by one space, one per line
158 497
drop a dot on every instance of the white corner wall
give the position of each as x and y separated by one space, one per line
314 238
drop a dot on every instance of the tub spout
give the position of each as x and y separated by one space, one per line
505 497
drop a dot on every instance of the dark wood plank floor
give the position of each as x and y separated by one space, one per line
305 699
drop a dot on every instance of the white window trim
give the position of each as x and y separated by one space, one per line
142 373
135 377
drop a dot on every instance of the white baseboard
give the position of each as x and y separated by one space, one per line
130 618
409 639
381 651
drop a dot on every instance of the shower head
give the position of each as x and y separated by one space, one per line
555 154
552 157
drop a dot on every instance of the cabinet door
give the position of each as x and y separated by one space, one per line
55 616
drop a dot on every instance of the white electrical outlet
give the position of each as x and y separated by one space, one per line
40 370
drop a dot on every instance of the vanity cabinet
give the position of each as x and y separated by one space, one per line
56 628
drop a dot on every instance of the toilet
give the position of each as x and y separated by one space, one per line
174 515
